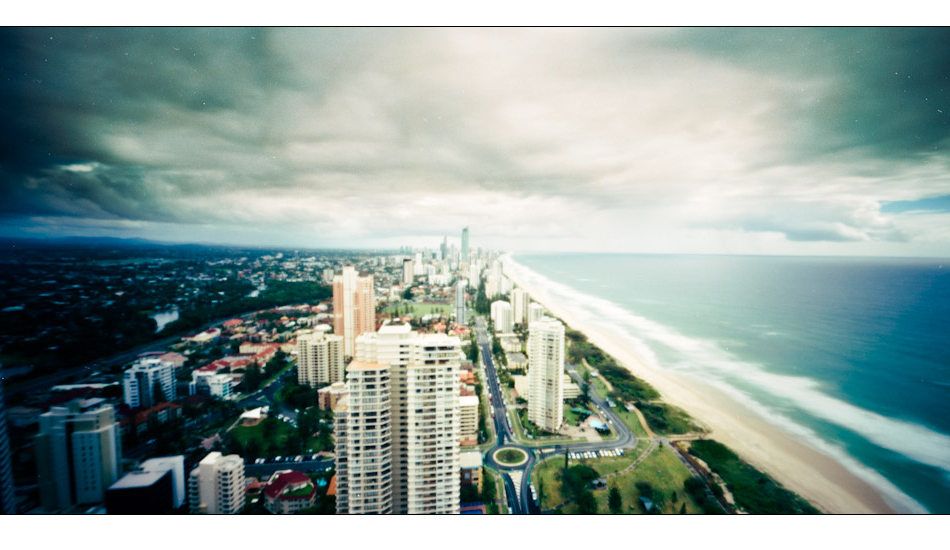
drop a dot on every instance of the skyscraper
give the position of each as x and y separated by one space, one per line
465 245
501 317
445 248
149 382
408 271
7 496
460 313
216 486
319 357
354 306
78 453
363 441
545 373
423 399
519 306
535 312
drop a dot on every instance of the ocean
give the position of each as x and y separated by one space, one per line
850 355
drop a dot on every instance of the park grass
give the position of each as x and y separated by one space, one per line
663 471
510 456
276 444
570 416
632 421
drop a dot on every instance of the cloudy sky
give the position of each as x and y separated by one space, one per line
750 141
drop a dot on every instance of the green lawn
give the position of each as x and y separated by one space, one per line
630 419
510 456
277 442
662 470
571 417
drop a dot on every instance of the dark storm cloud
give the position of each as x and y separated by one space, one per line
885 89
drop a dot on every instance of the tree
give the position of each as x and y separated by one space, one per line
683 508
615 501
407 295
488 488
586 503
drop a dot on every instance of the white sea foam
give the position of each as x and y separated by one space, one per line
708 361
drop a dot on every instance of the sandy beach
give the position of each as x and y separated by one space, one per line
820 479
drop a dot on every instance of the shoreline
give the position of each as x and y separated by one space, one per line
813 475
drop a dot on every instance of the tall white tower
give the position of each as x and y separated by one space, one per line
545 373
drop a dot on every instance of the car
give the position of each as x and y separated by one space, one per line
278 458
298 459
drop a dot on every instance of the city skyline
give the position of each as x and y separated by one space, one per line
724 141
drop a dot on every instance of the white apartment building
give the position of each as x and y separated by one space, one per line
535 313
519 306
408 272
468 418
319 357
213 384
425 415
461 316
354 306
501 317
140 379
78 453
216 486
545 373
363 437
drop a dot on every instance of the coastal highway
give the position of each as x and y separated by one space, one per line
520 502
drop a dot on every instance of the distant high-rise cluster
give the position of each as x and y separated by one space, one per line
397 430
354 306
7 496
319 357
545 373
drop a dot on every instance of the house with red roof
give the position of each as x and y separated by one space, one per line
289 491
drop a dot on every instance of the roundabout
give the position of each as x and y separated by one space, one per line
510 457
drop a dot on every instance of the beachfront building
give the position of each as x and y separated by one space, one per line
535 312
319 357
216 486
362 430
460 313
424 399
519 306
501 317
354 306
148 382
7 496
545 373
78 453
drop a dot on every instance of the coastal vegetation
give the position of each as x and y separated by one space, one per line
663 418
754 491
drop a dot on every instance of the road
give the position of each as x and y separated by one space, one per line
525 504
43 384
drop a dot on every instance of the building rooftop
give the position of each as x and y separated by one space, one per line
363 365
470 459
282 480
468 400
137 479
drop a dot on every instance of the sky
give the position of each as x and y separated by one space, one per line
659 140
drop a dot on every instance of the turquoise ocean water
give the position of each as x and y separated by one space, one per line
851 355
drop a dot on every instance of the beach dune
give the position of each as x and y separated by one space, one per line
820 479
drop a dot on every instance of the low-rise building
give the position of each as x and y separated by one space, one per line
468 420
471 468
328 396
288 492
517 361
156 487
